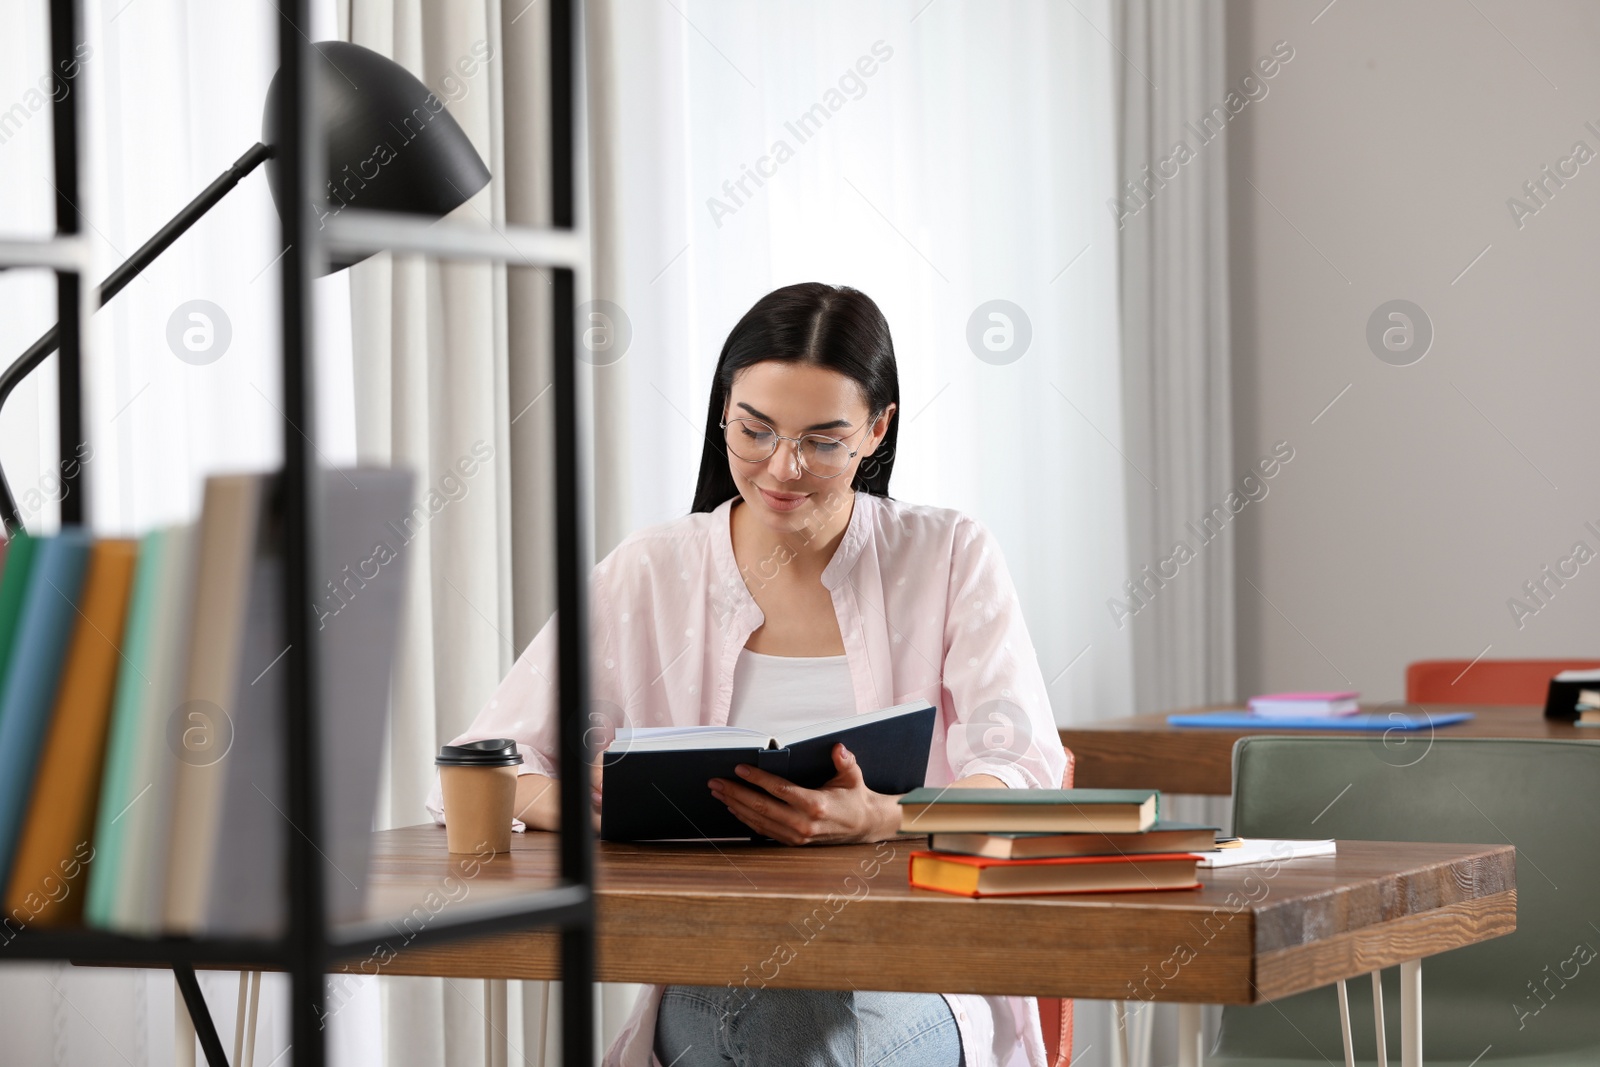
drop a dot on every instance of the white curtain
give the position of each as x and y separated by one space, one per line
1171 207
452 362
1175 101
430 361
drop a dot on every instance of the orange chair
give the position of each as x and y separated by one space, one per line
1055 1013
1487 681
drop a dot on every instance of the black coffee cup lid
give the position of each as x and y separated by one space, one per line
495 752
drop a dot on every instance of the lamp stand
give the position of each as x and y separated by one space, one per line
115 282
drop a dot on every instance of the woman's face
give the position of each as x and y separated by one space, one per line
797 399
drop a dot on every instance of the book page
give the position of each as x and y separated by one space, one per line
682 738
846 722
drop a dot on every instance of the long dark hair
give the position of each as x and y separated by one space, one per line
830 326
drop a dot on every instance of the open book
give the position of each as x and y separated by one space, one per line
655 777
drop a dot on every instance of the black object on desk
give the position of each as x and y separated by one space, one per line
661 794
1562 700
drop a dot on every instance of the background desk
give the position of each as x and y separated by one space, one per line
1143 752
709 916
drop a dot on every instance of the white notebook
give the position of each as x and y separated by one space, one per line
1255 850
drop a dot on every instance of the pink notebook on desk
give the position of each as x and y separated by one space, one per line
1303 705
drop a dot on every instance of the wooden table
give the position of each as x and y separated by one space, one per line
1143 752
825 918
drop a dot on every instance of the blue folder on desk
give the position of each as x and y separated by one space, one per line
1374 721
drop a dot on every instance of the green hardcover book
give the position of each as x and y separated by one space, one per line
131 901
27 700
1079 811
118 790
13 583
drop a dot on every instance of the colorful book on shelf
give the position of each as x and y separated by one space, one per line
978 876
356 635
1374 722
231 520
241 895
1304 705
1161 837
125 884
1100 811
55 847
655 778
20 551
143 905
9 557
49 611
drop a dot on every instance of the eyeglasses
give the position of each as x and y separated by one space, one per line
821 456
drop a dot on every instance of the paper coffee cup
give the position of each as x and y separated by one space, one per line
479 783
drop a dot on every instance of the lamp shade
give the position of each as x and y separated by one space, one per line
391 145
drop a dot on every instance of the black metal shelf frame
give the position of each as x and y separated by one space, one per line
310 946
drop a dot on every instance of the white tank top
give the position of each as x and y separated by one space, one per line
777 693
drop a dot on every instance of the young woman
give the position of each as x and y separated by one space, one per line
797 590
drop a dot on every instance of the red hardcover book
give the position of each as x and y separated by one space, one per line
979 876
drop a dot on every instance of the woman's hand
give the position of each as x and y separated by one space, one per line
843 810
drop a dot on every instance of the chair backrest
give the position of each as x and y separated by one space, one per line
1533 992
1487 681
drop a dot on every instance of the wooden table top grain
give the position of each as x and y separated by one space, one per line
836 917
1143 752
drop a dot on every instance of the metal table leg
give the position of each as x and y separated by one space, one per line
1411 1013
1377 1019
1190 1050
1344 1025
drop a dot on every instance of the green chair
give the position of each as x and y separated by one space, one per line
1530 998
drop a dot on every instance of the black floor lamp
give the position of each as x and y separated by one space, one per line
391 146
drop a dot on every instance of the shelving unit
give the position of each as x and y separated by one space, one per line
310 945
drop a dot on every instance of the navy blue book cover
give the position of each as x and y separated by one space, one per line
662 795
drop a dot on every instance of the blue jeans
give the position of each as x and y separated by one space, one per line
715 1026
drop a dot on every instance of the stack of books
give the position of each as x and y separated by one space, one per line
1571 693
1013 842
142 776
1588 707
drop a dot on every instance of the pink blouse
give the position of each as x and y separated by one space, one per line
927 611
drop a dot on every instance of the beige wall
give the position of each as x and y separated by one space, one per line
1421 502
